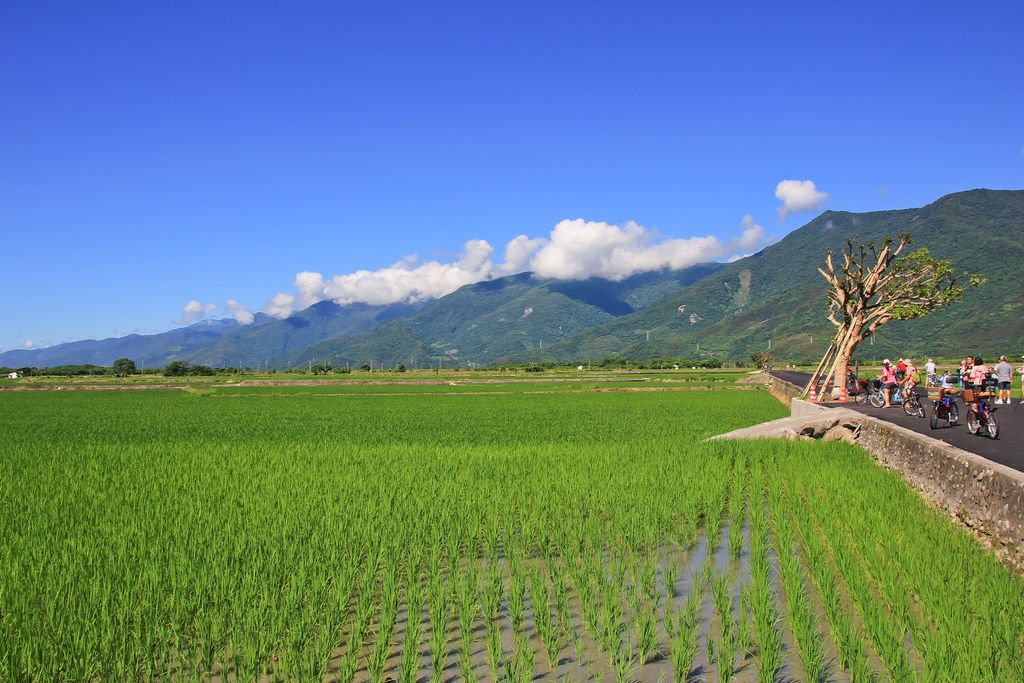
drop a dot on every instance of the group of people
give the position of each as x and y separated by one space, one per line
971 373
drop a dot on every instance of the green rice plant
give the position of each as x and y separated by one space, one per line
613 625
671 580
491 591
646 622
682 632
763 602
516 595
624 663
800 613
437 603
744 636
377 658
495 651
543 622
519 668
410 663
467 607
722 602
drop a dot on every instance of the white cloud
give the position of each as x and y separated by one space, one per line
311 288
518 253
410 280
28 344
281 306
407 280
580 249
240 312
575 249
193 311
798 195
752 235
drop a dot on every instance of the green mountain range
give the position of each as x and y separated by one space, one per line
515 316
778 296
773 300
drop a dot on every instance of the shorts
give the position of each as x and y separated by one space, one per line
1004 386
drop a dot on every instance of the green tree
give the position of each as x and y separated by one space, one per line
124 367
176 368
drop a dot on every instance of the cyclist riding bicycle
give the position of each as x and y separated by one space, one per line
979 373
911 379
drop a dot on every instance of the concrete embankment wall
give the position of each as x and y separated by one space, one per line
784 391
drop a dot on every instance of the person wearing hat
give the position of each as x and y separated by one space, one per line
1004 375
888 378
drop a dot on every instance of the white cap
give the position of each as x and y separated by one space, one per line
886 362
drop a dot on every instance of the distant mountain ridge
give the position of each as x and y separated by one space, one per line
217 343
487 321
772 298
777 296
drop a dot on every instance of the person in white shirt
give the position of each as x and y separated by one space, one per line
929 372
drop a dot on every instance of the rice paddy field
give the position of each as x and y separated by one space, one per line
512 532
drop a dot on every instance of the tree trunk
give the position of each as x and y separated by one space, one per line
845 347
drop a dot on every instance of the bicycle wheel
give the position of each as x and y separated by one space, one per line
973 423
912 406
953 415
992 426
861 398
877 400
934 422
918 407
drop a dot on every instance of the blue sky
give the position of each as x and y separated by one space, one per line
160 160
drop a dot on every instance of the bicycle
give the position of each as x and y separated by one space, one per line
981 415
910 401
944 406
912 404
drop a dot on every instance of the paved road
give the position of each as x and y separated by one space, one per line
1008 449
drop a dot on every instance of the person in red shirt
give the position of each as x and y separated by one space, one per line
888 378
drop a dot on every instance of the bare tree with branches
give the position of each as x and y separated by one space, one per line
874 285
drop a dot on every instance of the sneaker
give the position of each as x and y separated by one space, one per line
999 401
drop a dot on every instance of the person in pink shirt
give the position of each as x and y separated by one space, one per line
888 378
978 374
